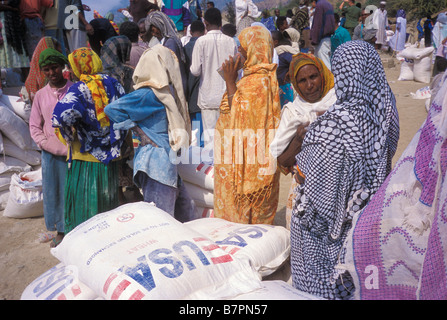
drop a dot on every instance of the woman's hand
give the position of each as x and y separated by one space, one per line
230 69
230 73
287 158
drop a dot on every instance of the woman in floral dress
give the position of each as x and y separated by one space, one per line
93 146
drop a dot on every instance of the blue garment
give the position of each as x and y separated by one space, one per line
196 123
269 23
143 108
54 171
77 110
175 201
286 94
340 36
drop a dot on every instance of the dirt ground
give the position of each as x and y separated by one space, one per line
23 258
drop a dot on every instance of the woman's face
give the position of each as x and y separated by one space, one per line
310 83
156 32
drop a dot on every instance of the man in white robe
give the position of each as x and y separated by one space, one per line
380 20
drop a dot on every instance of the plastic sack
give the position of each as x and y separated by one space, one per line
59 283
406 70
31 157
201 175
266 246
277 290
26 197
16 129
17 105
203 198
4 196
137 251
10 164
422 93
422 70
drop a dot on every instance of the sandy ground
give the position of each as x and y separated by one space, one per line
23 258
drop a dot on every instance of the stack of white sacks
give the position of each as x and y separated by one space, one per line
20 174
139 252
198 176
416 63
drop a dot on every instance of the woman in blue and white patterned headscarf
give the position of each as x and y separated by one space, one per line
345 156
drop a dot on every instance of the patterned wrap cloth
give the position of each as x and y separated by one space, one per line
398 245
346 155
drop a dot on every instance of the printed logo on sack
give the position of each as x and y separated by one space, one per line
126 217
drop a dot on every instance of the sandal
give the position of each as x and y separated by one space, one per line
56 240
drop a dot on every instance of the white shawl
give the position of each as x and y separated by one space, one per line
294 114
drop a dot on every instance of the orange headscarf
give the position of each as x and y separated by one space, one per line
301 59
85 64
36 80
247 181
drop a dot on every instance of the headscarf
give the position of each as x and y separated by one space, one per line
115 52
345 156
259 53
301 19
166 26
36 80
109 16
52 56
257 42
301 59
158 68
366 128
85 64
401 14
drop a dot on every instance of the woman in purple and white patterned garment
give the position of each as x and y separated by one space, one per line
345 157
399 242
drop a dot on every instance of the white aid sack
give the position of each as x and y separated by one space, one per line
138 252
5 180
422 70
201 175
59 283
205 212
4 195
414 53
1 143
266 246
26 197
406 70
16 129
277 290
202 197
9 164
16 104
31 157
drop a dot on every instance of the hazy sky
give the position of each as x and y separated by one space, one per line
104 6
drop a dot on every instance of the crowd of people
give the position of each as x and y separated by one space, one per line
303 94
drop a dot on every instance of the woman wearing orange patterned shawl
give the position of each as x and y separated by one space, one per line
246 178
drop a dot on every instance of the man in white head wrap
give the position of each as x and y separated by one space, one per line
380 21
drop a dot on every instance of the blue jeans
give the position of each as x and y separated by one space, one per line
175 201
54 170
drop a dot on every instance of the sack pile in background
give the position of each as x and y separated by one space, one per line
19 196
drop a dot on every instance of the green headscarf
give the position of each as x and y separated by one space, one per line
51 56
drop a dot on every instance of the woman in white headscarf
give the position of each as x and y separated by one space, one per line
246 13
439 31
157 114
